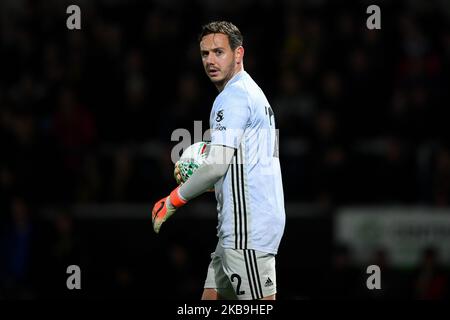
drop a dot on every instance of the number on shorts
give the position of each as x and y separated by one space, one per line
239 280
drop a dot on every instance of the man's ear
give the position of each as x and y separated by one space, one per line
239 54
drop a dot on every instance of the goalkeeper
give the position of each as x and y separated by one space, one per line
244 168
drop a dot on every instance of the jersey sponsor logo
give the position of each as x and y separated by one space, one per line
219 116
219 127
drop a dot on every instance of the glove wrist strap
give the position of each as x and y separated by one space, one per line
176 200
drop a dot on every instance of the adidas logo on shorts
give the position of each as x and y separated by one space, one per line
268 283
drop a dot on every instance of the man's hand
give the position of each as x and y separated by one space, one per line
164 208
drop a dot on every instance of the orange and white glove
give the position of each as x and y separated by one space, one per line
164 208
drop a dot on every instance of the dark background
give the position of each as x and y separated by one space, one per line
86 118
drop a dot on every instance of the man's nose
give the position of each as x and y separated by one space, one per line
209 60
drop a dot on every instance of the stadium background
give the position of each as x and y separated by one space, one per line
86 119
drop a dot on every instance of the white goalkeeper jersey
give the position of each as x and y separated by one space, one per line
250 200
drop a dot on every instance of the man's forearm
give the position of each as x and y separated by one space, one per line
204 178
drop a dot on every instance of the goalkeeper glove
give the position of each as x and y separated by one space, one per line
164 208
177 174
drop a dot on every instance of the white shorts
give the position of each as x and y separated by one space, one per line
241 274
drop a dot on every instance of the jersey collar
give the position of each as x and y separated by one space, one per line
238 76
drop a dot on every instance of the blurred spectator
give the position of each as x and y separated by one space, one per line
441 178
122 176
15 251
395 174
330 160
90 187
294 107
65 248
75 132
340 283
180 268
74 125
430 281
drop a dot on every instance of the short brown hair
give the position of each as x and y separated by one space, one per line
235 38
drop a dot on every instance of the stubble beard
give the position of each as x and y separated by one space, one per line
229 74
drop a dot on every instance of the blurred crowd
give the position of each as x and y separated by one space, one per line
86 116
